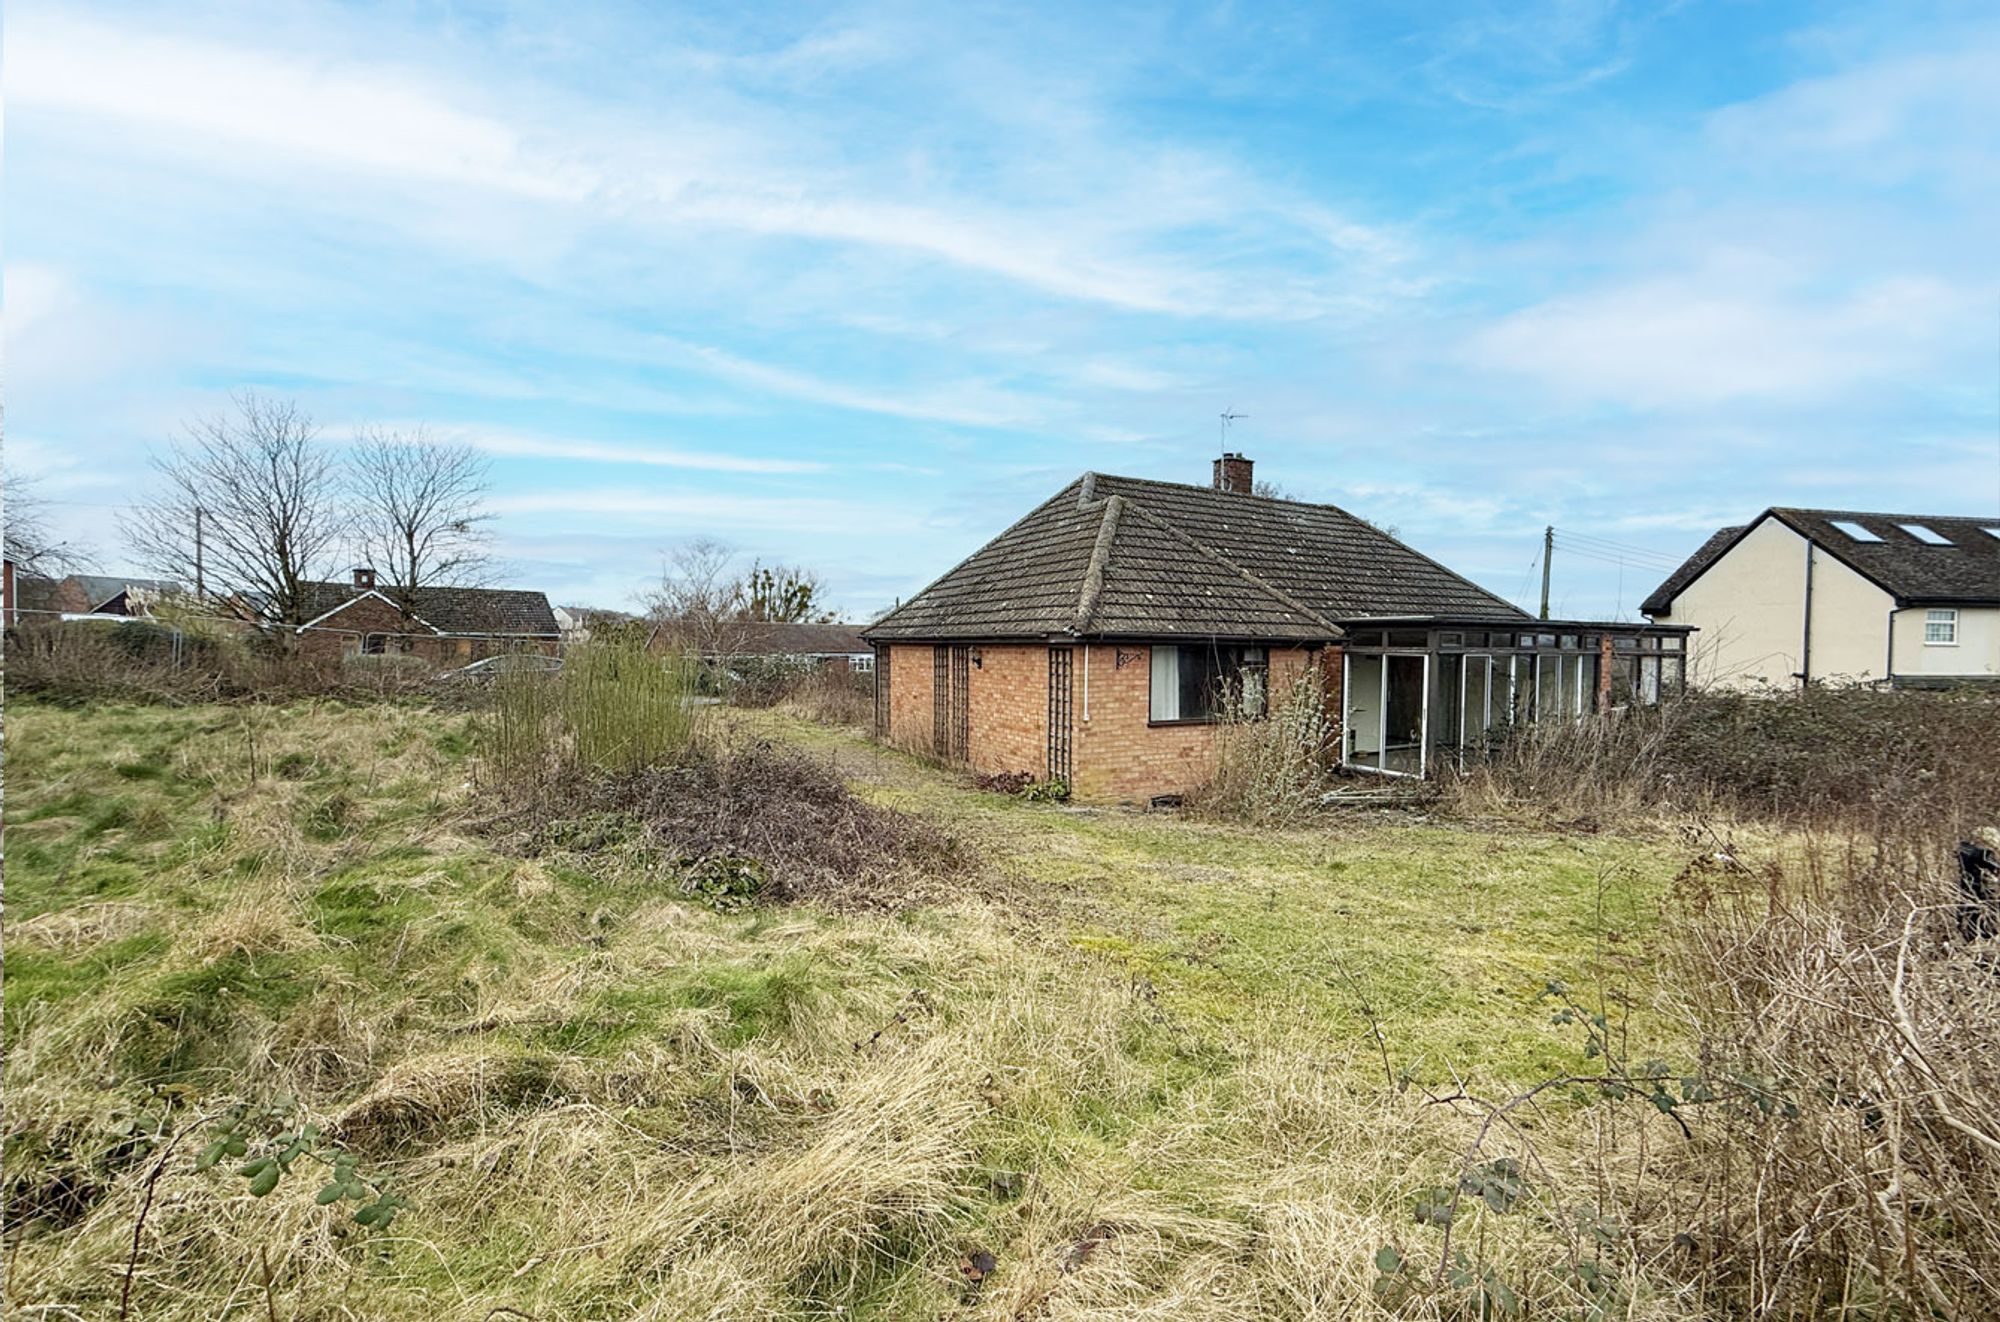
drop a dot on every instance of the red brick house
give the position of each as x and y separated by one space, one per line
443 625
1103 638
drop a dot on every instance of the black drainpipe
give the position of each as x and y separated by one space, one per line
1805 651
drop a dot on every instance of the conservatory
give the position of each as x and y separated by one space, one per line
1416 690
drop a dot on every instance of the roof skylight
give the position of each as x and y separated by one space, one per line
1928 536
1854 530
1991 531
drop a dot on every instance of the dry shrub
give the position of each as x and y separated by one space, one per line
1860 993
1278 768
1825 757
832 695
789 813
79 662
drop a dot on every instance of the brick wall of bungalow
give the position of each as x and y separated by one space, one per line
344 631
1117 754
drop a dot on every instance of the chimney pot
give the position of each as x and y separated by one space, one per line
1232 474
364 576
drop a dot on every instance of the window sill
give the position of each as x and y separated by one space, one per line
1929 643
1202 720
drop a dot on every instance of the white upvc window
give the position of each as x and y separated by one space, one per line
1940 628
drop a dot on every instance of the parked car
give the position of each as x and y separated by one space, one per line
488 669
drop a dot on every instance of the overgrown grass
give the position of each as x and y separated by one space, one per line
1155 1067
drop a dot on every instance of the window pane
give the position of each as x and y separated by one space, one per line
1198 682
1624 679
1253 676
1941 626
1548 687
1166 684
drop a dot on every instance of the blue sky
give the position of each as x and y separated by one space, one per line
856 285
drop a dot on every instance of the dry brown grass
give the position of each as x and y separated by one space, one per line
606 1101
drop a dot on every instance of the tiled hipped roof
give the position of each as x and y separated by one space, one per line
1964 567
1123 557
802 639
450 610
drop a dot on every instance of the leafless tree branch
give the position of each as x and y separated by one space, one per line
269 495
29 543
420 511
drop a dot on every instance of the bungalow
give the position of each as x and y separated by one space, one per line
805 645
1841 596
444 625
1101 639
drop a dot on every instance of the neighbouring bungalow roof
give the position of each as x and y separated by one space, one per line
1964 566
1125 557
100 588
776 639
510 611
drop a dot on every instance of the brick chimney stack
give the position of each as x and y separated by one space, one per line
1232 473
364 577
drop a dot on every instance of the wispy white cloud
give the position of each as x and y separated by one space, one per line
517 445
706 509
1705 339
235 108
230 97
966 403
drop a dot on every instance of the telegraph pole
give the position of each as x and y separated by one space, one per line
1548 549
199 594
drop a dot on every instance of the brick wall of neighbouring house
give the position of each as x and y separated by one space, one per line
69 597
1120 756
345 629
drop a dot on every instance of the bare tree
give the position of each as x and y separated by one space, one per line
420 511
785 594
265 494
30 544
701 600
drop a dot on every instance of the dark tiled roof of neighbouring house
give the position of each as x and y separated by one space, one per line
1116 556
778 639
450 610
1691 568
101 588
1963 567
